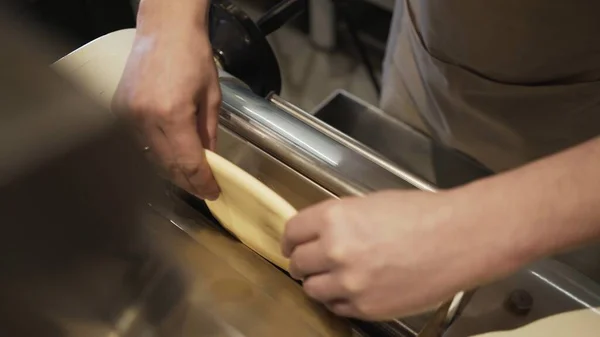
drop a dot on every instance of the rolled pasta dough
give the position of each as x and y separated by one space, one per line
250 210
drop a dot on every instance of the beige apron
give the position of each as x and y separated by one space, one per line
505 81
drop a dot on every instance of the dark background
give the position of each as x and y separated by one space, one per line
80 21
77 21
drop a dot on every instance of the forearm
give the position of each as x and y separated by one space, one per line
163 15
541 209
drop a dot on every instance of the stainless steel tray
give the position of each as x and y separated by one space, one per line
402 145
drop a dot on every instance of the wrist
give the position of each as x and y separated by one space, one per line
493 221
544 208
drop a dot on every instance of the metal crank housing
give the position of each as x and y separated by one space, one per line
241 47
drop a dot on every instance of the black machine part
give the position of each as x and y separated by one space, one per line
240 44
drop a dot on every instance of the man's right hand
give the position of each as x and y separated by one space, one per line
170 91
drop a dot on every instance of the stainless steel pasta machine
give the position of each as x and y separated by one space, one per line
92 244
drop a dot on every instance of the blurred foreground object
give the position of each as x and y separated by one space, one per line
71 185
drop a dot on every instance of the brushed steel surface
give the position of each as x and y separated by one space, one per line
554 287
227 279
405 147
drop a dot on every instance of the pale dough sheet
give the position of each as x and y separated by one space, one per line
580 323
251 211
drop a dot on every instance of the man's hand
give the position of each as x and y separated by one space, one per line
170 91
393 254
387 255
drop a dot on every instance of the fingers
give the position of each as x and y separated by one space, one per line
175 145
324 288
308 259
343 308
302 228
187 160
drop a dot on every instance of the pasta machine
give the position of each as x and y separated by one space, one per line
93 244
